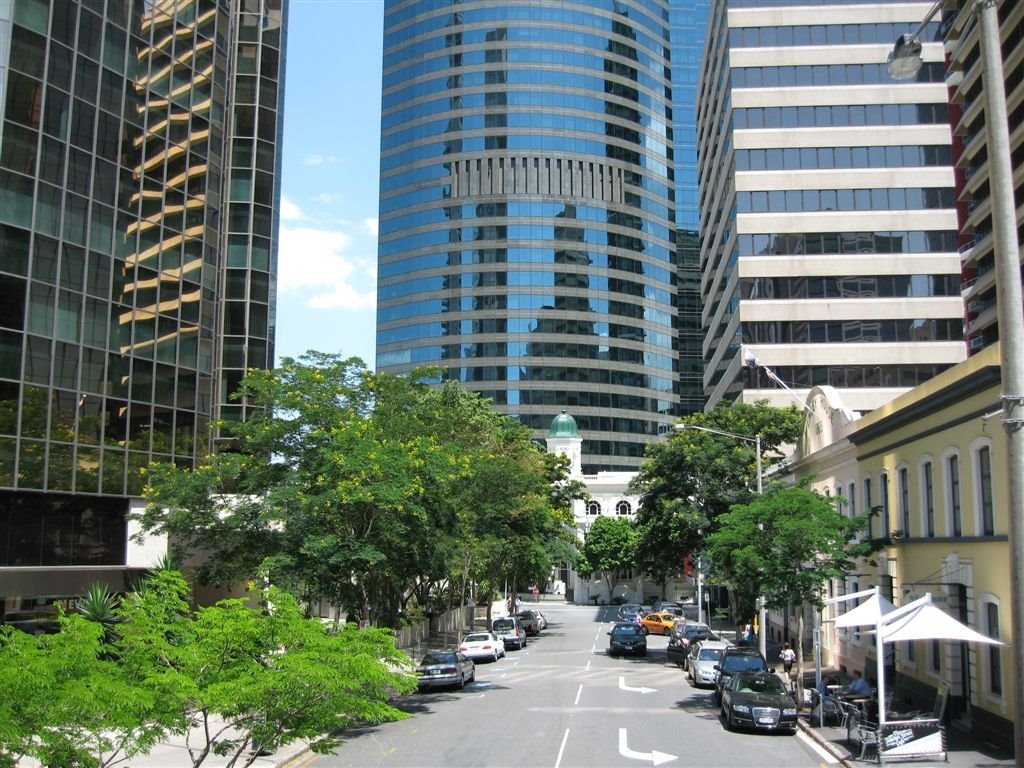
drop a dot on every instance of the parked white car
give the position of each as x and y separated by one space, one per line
703 660
482 646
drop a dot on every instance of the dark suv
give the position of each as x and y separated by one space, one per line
738 659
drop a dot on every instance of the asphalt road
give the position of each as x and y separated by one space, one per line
564 703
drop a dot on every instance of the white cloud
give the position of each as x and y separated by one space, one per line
289 210
314 159
371 226
318 262
325 198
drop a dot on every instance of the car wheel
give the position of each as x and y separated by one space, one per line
643 652
472 675
462 682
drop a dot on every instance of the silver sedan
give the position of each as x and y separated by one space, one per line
443 669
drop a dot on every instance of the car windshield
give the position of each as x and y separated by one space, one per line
765 684
439 657
503 624
710 653
480 637
626 630
739 663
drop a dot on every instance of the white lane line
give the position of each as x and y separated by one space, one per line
578 692
823 753
587 669
561 749
593 648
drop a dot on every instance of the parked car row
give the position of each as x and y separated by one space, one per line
456 668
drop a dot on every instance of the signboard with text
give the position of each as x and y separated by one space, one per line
911 739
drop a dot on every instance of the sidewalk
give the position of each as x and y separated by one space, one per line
173 754
962 750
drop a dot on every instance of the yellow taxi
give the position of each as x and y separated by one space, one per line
660 623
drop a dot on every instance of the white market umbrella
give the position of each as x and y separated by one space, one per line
867 613
919 620
929 622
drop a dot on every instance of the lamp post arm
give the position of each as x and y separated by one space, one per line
916 34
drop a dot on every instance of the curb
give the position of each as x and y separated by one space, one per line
301 760
840 755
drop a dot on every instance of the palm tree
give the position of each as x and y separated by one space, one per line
99 604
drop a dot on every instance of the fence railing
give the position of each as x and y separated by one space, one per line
448 623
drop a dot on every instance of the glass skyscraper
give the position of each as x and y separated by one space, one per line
828 219
527 224
689 24
139 184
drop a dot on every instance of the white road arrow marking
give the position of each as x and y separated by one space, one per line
655 757
641 689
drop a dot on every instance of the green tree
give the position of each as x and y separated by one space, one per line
325 487
609 548
233 675
65 704
367 491
785 545
687 481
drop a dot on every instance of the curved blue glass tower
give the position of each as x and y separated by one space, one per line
527 226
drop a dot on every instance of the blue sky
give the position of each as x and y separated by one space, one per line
328 252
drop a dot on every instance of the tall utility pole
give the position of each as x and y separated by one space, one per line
1010 309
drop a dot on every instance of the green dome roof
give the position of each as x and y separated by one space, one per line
563 425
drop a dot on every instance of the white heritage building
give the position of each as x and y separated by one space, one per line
609 496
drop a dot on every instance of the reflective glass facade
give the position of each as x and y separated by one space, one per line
527 211
827 204
139 179
689 25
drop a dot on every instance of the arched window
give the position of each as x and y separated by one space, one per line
990 626
983 482
883 493
903 489
593 507
623 508
951 487
927 497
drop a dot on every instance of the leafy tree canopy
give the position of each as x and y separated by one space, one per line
688 480
364 489
609 547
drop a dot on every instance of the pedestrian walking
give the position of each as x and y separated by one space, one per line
788 656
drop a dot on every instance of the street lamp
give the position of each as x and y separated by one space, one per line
1009 305
762 633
